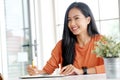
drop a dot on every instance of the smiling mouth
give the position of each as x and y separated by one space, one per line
74 28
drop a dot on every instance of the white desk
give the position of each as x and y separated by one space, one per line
74 77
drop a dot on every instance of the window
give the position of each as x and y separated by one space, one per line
19 52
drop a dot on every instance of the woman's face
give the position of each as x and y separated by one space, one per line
77 22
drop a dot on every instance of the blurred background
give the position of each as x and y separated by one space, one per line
29 30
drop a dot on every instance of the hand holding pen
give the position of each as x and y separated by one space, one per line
32 70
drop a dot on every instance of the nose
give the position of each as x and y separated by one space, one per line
72 23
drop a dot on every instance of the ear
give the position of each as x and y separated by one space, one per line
88 19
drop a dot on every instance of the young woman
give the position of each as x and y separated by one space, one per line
74 51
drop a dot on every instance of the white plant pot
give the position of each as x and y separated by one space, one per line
112 67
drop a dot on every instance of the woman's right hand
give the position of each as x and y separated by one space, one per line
32 70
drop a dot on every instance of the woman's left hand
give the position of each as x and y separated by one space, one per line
70 70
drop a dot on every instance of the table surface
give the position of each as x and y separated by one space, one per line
72 77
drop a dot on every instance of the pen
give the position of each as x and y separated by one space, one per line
32 63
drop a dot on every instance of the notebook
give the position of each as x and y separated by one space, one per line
40 76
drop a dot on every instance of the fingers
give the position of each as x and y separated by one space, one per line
63 69
67 70
32 70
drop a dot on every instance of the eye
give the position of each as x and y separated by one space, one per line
69 19
76 18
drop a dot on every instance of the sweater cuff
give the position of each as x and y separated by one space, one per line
100 69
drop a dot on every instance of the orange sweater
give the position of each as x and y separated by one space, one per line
83 57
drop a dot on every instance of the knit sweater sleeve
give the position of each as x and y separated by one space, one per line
54 60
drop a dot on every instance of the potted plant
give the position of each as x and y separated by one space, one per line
109 48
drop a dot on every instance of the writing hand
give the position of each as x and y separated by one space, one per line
32 70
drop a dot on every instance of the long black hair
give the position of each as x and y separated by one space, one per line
69 39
